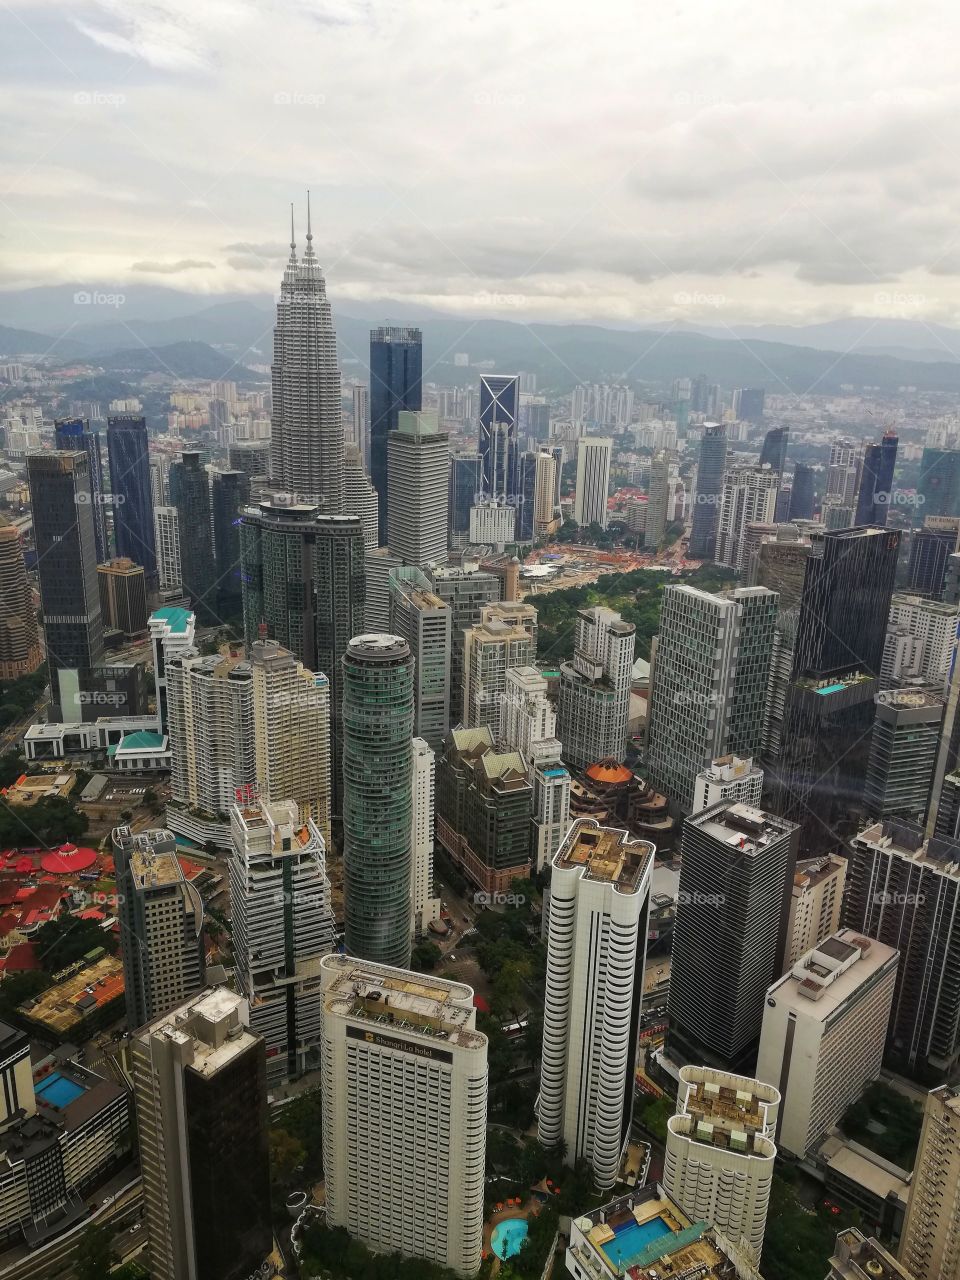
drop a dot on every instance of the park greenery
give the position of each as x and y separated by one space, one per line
800 1238
330 1251
886 1122
95 1259
49 822
19 697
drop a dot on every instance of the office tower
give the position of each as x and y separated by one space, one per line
304 576
815 900
123 597
875 494
593 480
20 653
464 492
211 729
856 1256
505 637
167 530
379 567
943 817
418 462
594 703
708 683
729 779
720 1152
131 492
596 951
498 445
190 495
230 495
930 550
291 725
545 488
199 1080
709 491
361 424
939 482
360 497
754 536
493 524
158 482
658 501
161 925
306 443
172 631
781 561
465 588
774 451
930 1241
904 890
282 926
737 866
396 373
387 1032
71 434
951 581
484 809
824 1029
842 474
801 493
419 615
251 457
921 636
526 506
749 496
748 404
422 822
64 538
377 797
903 753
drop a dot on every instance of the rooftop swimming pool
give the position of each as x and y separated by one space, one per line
57 1090
632 1238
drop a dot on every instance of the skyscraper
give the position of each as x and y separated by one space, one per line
658 494
167 529
190 495
405 1090
876 480
593 480
377 797
749 497
737 866
748 404
426 907
930 1242
930 549
161 925
131 492
199 1079
499 444
903 753
65 543
596 951
418 465
709 491
229 497
20 653
774 451
75 433
594 702
505 637
939 482
306 444
465 588
423 620
282 926
802 493
123 597
360 497
464 493
396 372
920 640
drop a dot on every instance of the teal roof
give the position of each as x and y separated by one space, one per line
174 615
143 740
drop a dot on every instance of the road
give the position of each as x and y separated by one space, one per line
54 1260
14 732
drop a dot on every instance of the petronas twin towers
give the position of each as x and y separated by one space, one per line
306 451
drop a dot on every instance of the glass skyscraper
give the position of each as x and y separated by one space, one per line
499 437
230 495
132 499
75 433
396 372
876 481
190 494
709 491
378 712
939 483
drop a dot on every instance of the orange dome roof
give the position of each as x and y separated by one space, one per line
610 772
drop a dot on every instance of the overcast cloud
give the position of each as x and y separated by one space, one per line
562 161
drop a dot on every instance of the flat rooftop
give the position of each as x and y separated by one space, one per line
741 825
833 972
813 871
605 854
906 840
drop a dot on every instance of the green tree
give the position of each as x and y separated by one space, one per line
94 1257
12 764
287 1154
48 822
60 942
425 957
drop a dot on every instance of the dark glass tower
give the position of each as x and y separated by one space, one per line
499 443
774 451
706 501
527 509
75 433
230 494
67 567
464 488
396 372
190 495
802 494
748 403
132 499
378 798
929 552
876 481
939 483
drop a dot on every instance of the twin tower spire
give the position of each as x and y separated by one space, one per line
309 251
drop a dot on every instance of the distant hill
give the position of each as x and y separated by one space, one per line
180 359
24 342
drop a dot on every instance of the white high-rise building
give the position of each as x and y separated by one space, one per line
551 808
824 1029
815 902
596 950
594 704
527 718
930 1241
404 1112
418 475
728 778
492 524
504 638
422 817
172 630
166 526
593 480
720 1153
659 494
425 621
921 637
359 495
749 497
282 927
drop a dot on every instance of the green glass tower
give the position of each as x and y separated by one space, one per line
377 678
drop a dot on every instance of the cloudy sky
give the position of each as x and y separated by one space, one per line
546 159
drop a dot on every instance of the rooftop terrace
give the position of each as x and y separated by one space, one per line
605 854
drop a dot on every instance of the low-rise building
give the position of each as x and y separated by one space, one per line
858 1257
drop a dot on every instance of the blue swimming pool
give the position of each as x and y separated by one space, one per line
632 1238
57 1090
508 1236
